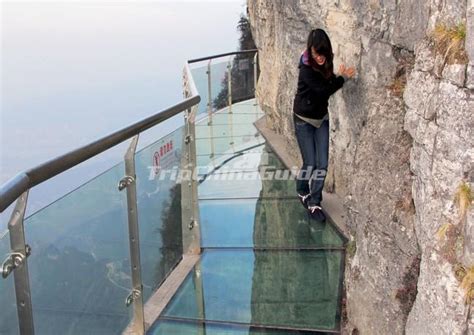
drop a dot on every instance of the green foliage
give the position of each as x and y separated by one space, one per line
246 41
443 231
467 284
351 248
452 241
171 233
449 42
463 199
241 69
465 276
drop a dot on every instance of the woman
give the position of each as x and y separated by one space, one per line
316 83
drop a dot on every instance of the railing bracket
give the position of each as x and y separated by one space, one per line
135 294
124 182
13 261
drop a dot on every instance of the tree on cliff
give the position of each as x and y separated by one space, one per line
242 70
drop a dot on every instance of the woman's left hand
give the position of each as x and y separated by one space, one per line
350 72
346 72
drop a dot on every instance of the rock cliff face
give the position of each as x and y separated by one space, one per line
401 145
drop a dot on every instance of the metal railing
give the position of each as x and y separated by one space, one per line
18 187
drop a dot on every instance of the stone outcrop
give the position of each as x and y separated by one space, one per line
401 144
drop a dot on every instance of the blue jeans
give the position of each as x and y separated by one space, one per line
314 148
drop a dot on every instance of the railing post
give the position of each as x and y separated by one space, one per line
135 298
209 107
255 74
229 84
229 88
190 209
209 92
189 185
18 264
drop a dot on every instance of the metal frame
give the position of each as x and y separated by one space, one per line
135 297
189 188
18 188
209 106
229 90
221 55
209 91
17 263
255 73
13 188
229 86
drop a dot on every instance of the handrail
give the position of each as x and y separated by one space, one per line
221 55
27 179
17 188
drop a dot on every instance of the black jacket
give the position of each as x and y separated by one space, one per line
314 87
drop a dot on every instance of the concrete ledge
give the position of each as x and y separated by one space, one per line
158 301
332 203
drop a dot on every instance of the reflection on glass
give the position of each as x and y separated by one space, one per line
234 118
242 77
200 80
240 161
159 209
273 288
262 223
219 159
248 184
218 75
8 316
219 87
226 145
225 130
241 70
245 112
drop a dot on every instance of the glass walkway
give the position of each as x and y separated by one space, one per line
89 262
266 268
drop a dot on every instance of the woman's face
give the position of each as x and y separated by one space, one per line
318 58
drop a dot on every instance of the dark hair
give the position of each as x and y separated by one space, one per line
319 40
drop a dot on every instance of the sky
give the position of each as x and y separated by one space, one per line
72 72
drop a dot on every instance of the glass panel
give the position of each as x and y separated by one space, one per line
8 316
80 265
159 209
218 85
262 223
255 184
199 75
235 118
245 112
242 77
271 288
226 145
245 162
249 106
217 159
224 130
171 327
